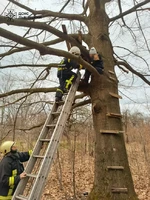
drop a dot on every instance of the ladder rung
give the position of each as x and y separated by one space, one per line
111 72
32 175
115 167
111 131
21 197
115 95
116 115
57 128
113 79
119 190
37 156
51 125
60 102
45 140
55 113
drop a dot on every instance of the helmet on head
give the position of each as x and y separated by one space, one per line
75 50
92 51
6 146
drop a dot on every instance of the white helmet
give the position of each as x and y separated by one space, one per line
75 50
6 146
92 51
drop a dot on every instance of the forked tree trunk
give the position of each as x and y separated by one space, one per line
115 183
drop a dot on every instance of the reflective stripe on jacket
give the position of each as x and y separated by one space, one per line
68 64
10 169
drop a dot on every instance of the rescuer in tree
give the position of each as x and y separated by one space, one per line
96 62
66 75
11 169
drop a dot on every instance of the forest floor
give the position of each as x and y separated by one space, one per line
73 181
72 174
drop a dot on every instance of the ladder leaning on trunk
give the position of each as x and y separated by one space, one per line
38 167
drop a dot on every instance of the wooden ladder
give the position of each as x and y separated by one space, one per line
44 152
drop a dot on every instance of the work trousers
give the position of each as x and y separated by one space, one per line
88 73
66 78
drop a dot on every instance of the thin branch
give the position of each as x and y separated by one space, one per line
82 103
39 25
131 52
142 32
126 71
80 96
37 102
85 7
5 135
28 94
11 103
20 49
55 17
10 46
54 65
125 64
5 8
32 127
28 90
47 50
129 11
64 6
47 13
15 46
143 9
120 8
21 5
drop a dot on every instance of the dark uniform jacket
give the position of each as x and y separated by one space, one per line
10 168
67 66
98 64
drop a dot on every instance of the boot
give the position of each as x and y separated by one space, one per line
58 99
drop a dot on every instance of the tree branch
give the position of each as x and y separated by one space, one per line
47 13
124 63
32 127
80 96
143 34
133 9
85 7
143 9
131 52
28 90
54 65
39 25
126 71
47 50
42 26
82 103
20 49
13 102
120 8
21 5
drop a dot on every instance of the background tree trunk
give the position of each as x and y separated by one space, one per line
109 148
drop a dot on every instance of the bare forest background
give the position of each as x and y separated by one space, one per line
28 82
72 174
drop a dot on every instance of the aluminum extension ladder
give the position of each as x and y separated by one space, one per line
38 167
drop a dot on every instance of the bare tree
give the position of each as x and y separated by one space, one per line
112 173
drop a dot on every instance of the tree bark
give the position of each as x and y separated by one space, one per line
109 148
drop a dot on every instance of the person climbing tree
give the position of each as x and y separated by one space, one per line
66 75
96 62
11 168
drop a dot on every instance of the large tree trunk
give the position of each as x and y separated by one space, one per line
109 148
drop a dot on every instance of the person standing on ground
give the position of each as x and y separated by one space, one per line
11 169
